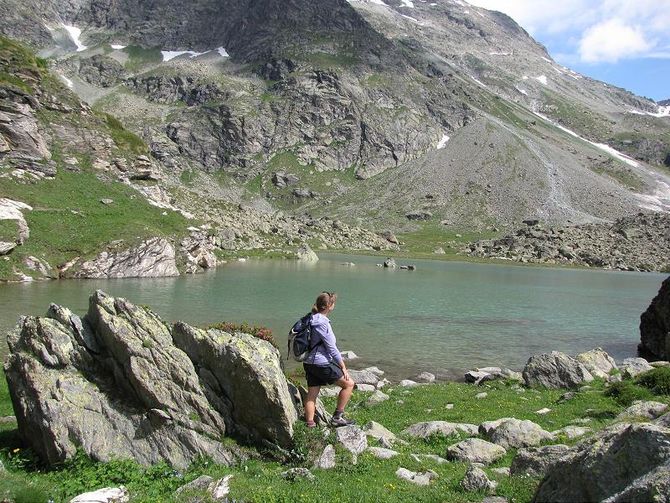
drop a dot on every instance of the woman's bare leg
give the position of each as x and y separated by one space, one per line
310 403
347 386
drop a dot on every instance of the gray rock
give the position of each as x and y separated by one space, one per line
555 370
295 474
408 383
281 179
389 263
494 499
327 458
420 479
516 433
477 377
348 355
419 215
377 431
382 453
606 464
442 428
329 392
503 471
597 362
364 377
6 248
476 480
306 254
642 409
101 71
151 259
220 489
425 377
475 450
202 483
352 438
572 431
633 367
536 461
655 325
106 495
664 420
481 395
376 398
654 486
390 237
375 370
366 388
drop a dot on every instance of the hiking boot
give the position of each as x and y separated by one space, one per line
338 421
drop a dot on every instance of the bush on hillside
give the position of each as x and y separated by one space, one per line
626 392
657 380
258 331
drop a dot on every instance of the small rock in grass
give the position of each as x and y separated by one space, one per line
645 409
329 392
408 383
632 367
352 438
494 499
382 383
327 458
537 461
378 431
476 450
382 453
220 489
476 480
503 471
449 406
443 428
513 432
376 398
367 388
573 431
479 396
421 479
199 484
106 495
543 411
107 201
425 377
567 396
294 474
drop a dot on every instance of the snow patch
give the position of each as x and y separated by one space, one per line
117 47
443 142
525 77
500 53
407 3
601 146
222 52
478 82
411 18
522 91
662 112
542 79
75 33
67 81
169 55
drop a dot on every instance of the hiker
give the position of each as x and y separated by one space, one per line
324 365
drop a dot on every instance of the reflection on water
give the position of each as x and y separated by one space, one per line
443 317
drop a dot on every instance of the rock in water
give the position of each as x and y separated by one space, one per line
555 370
655 326
606 464
115 385
306 254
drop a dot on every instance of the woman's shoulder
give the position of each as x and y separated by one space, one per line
320 319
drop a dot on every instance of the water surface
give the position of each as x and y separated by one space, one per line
444 317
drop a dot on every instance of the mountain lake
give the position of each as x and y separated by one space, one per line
443 317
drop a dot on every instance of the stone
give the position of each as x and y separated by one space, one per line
376 398
121 383
544 411
536 461
441 428
477 377
348 355
597 362
643 409
221 488
517 433
375 370
418 215
654 486
390 237
633 367
366 388
606 464
481 395
420 479
382 453
326 460
494 499
281 179
503 471
408 383
202 483
306 254
107 202
664 420
572 432
439 251
555 370
429 457
378 431
352 438
6 248
364 377
425 377
106 495
389 263
475 450
152 258
655 326
329 392
382 383
476 480
295 474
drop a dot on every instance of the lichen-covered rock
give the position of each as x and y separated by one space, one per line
420 479
442 428
655 325
597 362
476 450
633 367
476 480
106 495
606 464
116 386
555 370
352 438
382 453
517 433
643 409
536 461
326 460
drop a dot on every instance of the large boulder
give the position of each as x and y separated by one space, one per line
654 486
475 450
555 370
441 428
517 433
655 326
607 464
597 362
116 386
536 461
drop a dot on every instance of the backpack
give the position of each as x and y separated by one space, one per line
300 339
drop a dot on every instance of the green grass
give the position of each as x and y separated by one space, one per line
368 480
18 61
68 219
9 231
431 235
123 138
140 56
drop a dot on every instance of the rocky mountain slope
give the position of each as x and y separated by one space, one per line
368 112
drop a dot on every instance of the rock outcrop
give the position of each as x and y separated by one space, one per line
607 464
655 326
115 385
555 370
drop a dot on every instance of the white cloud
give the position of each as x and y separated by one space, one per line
611 41
594 30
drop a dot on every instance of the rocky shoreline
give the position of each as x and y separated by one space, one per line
637 243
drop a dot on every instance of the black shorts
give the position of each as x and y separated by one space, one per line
321 375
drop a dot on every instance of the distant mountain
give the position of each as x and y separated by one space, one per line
407 115
664 103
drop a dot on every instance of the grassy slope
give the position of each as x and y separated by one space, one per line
68 219
368 480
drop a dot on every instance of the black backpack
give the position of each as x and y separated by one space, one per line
300 339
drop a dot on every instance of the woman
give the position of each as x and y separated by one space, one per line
324 365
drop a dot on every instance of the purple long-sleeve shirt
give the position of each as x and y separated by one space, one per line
327 352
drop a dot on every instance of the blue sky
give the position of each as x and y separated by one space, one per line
622 42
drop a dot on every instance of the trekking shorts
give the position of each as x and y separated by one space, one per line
322 375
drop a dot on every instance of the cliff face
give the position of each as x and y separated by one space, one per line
655 325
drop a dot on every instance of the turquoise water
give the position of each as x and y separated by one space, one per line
444 317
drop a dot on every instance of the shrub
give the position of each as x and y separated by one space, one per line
657 380
626 392
258 331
